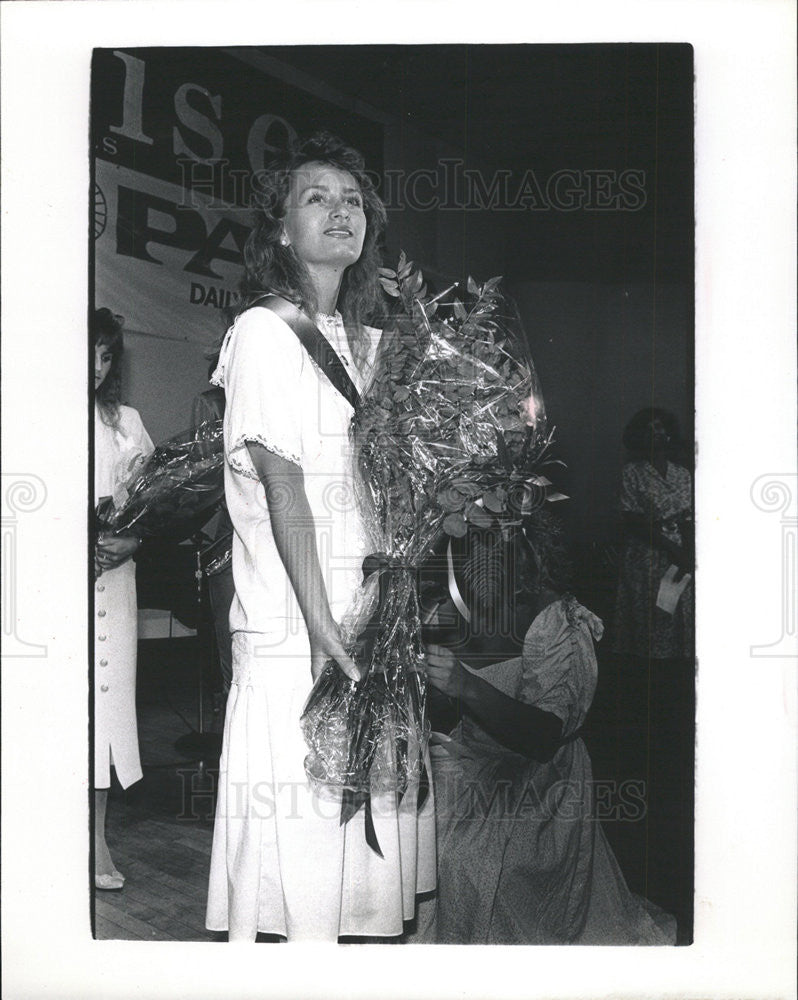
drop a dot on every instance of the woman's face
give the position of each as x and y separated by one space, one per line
102 364
324 220
659 433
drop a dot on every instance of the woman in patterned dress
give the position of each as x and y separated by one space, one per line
654 643
656 506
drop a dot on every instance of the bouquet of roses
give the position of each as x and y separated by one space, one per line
175 490
450 432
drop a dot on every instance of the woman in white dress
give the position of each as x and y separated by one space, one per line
281 862
120 444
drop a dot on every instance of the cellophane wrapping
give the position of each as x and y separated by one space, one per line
447 430
176 488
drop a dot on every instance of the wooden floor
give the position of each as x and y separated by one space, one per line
160 829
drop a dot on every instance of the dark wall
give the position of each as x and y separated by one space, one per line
604 286
603 352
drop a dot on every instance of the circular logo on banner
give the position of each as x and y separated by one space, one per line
100 212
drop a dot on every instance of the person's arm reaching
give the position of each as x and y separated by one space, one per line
519 727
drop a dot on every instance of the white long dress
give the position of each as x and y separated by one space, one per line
281 862
117 452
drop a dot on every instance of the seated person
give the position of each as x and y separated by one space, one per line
521 857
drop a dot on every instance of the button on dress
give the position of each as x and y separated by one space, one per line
117 453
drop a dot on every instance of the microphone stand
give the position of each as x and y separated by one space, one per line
204 747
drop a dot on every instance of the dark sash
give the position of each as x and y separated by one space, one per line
314 342
217 556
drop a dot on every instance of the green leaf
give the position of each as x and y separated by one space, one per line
472 286
466 486
502 452
478 516
493 502
455 525
509 421
450 500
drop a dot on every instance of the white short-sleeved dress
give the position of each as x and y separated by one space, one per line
118 450
281 863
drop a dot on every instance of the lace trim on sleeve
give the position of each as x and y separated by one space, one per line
243 466
217 378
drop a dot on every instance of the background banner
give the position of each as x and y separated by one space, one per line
179 137
168 259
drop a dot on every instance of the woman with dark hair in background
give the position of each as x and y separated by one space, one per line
522 856
654 640
281 862
656 506
120 444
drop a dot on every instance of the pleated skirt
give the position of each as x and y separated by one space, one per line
281 862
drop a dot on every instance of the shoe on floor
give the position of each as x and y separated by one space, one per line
109 883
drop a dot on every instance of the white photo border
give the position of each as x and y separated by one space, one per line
745 398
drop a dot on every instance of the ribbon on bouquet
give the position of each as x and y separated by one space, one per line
353 798
386 565
454 590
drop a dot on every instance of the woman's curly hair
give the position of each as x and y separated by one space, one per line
542 554
637 433
502 572
272 267
106 331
